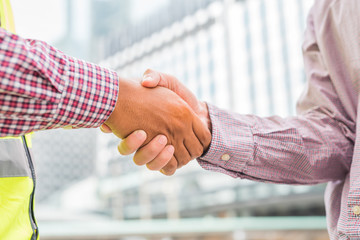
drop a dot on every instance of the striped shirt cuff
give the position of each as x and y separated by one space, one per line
231 144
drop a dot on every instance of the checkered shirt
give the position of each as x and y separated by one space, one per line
42 88
321 144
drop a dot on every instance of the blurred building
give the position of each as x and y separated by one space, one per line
240 55
90 21
62 158
65 158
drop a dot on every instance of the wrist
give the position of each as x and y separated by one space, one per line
204 115
124 89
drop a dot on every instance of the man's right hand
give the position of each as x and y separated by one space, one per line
158 111
156 155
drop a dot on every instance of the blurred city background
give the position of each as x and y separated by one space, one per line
241 55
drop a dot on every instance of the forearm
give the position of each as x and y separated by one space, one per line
42 88
308 149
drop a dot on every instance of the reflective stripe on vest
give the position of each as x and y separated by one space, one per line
14 162
16 192
17 177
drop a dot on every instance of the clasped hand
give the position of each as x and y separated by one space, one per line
161 120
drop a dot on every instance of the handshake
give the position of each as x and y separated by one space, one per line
160 120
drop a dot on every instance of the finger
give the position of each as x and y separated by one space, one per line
172 83
182 156
150 78
153 78
131 143
202 133
162 159
193 146
105 128
149 152
170 168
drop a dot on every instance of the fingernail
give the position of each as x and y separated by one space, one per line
120 149
162 171
102 128
170 149
140 134
147 78
162 140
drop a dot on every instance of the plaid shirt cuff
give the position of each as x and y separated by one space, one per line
42 88
89 96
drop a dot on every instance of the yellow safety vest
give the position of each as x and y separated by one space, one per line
17 175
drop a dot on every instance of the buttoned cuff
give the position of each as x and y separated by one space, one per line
232 144
353 211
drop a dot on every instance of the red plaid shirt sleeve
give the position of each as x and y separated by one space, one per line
42 88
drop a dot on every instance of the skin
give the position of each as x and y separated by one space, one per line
158 154
171 125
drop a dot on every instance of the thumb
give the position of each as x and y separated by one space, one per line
153 78
150 79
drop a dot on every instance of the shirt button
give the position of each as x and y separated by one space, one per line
225 157
356 210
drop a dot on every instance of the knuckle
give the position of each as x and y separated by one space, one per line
182 162
207 138
186 111
198 152
153 149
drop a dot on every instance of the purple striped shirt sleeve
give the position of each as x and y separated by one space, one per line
307 149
